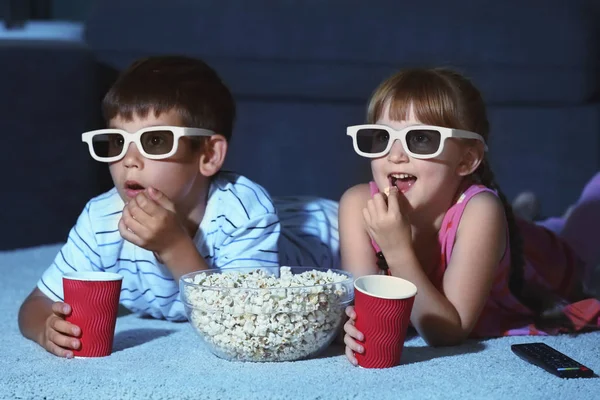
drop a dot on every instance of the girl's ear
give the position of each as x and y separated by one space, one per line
471 158
213 155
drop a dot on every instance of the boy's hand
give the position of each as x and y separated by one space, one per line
386 220
60 336
351 336
149 220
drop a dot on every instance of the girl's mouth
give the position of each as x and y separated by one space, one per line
402 181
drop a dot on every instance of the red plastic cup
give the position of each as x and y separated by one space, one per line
383 305
94 301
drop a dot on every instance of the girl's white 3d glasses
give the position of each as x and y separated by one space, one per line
418 141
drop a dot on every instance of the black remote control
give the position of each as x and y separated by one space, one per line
551 360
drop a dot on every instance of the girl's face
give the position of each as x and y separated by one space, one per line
424 182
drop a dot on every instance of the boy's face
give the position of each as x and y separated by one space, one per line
178 176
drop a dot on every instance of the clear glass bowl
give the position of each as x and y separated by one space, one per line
260 324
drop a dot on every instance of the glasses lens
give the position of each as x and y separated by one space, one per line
157 142
423 141
372 140
108 144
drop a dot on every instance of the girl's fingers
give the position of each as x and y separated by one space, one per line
350 356
401 204
372 209
393 201
350 312
367 218
380 202
351 330
352 344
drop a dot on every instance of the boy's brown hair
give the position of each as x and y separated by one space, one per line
163 83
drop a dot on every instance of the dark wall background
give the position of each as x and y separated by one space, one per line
301 71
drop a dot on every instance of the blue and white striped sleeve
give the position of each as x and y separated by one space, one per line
249 232
78 254
251 244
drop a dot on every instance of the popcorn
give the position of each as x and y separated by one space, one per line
254 316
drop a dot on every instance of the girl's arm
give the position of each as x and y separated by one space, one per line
356 250
447 318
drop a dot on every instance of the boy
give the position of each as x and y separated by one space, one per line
172 210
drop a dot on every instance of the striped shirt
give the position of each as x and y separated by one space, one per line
240 228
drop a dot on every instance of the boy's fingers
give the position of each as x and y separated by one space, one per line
62 326
161 199
125 231
64 341
141 208
59 351
132 223
61 308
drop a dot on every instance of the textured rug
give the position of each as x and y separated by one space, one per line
155 359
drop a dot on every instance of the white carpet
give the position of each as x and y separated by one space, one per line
162 360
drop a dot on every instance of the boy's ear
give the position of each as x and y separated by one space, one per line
213 155
471 158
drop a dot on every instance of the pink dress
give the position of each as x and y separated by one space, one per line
549 262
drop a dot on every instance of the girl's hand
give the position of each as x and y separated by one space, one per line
59 336
149 221
386 220
351 336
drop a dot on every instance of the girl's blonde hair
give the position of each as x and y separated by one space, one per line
444 97
439 97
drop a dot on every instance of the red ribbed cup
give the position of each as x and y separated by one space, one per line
94 301
383 305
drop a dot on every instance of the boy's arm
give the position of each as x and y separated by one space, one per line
33 314
183 258
76 255
43 321
241 225
150 221
252 243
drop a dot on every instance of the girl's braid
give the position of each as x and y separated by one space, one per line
547 308
487 178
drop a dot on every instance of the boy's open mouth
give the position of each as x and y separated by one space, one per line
402 181
132 188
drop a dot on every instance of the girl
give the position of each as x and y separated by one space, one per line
447 227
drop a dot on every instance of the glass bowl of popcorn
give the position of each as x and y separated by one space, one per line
266 313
